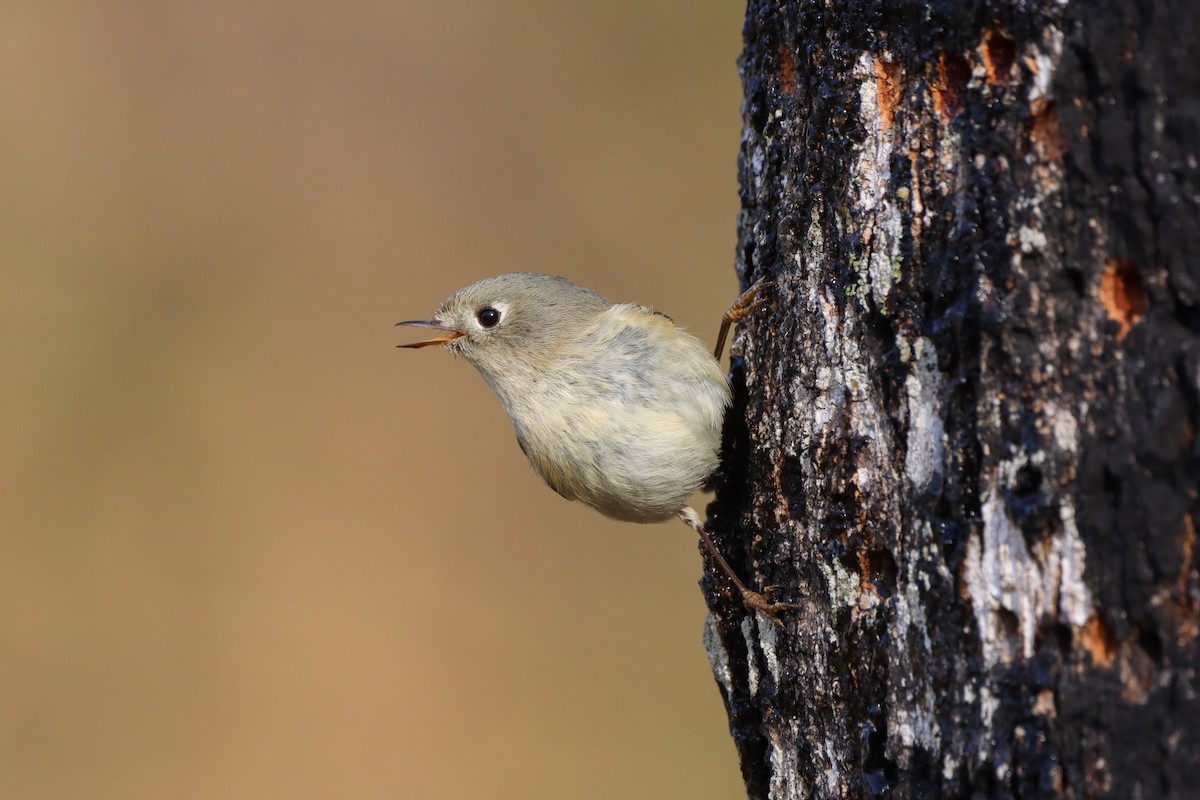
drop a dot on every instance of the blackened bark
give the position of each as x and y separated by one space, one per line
963 441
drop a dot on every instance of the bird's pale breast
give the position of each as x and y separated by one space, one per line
628 418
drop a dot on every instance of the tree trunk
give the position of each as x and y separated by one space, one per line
963 439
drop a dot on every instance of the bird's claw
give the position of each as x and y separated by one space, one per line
745 304
761 603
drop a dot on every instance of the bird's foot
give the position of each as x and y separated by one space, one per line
746 303
761 603
755 602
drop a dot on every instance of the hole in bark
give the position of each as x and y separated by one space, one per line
878 568
1122 293
1027 506
791 484
1008 626
1052 651
878 771
1075 276
999 53
877 782
1027 482
756 105
758 116
1063 637
1045 133
1112 485
1150 643
950 84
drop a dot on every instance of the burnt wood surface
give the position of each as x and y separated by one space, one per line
963 439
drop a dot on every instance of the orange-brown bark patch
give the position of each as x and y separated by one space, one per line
1098 640
889 89
787 69
950 84
1045 134
1122 293
999 52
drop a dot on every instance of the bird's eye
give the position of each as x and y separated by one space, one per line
489 317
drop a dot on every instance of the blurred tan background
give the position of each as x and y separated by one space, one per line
248 549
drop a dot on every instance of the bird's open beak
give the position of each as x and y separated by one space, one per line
451 333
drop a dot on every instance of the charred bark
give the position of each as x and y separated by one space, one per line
963 439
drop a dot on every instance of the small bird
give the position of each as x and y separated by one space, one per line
614 405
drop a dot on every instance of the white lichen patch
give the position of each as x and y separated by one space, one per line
1063 427
718 657
915 722
747 628
1004 578
825 407
1030 240
847 380
910 611
768 642
1042 62
926 435
912 716
785 782
989 704
841 584
758 163
832 774
870 177
1074 599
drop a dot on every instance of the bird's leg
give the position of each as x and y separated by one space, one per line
748 301
754 601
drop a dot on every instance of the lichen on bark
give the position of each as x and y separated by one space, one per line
968 409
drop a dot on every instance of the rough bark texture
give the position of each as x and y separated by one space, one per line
963 441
